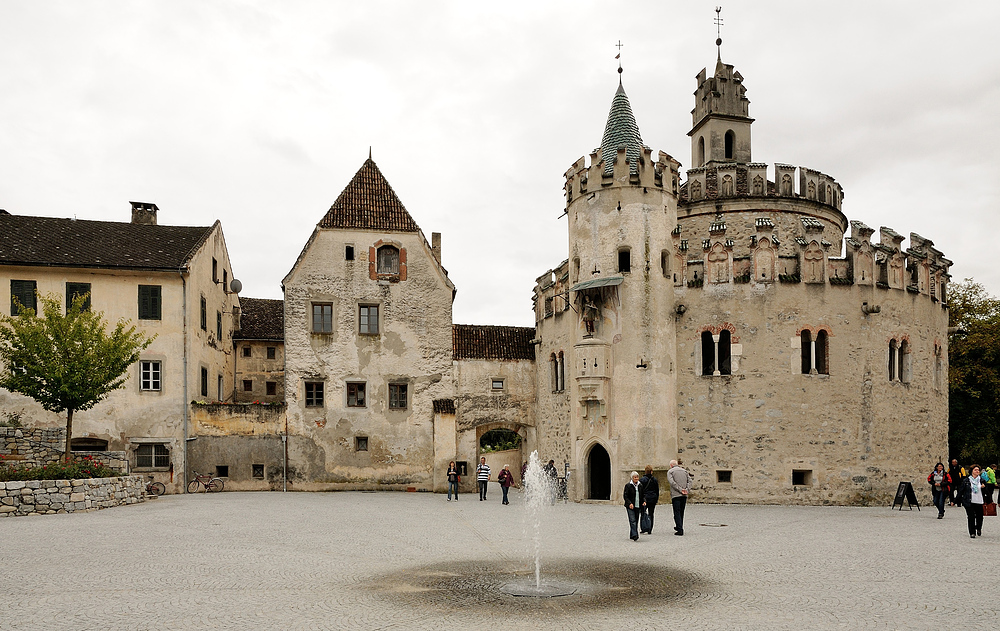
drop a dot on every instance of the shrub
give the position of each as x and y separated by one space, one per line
79 469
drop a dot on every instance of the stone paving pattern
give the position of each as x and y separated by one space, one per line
380 561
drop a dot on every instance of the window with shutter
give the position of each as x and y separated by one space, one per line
149 302
22 295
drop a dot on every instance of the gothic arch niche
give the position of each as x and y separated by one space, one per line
598 474
718 264
728 189
864 271
678 272
758 185
695 190
763 262
811 190
786 185
813 261
896 271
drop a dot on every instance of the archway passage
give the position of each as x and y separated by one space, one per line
599 472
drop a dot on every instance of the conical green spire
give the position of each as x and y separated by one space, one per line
621 130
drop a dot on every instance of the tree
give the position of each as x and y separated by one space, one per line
974 373
66 362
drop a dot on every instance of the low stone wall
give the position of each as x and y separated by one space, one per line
46 497
32 447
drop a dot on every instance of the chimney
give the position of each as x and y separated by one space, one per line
144 213
436 245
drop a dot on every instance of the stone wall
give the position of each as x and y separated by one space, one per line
31 447
47 497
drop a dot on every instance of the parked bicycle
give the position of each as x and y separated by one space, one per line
212 485
155 488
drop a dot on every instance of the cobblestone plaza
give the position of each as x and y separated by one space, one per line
416 561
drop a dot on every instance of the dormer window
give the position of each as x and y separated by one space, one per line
388 260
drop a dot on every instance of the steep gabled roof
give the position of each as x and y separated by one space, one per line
505 343
621 130
104 244
369 203
261 319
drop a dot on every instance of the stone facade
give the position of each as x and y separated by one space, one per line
48 497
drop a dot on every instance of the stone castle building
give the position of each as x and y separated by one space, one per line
735 319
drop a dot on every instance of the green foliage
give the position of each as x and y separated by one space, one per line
66 362
499 440
81 469
974 373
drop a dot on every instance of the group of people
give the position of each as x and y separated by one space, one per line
505 478
642 494
972 488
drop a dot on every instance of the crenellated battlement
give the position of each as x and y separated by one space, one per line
764 247
663 173
736 180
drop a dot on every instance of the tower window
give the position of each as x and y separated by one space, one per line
893 352
730 145
701 152
349 252
624 260
725 353
707 353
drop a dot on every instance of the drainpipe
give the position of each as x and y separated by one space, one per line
284 462
182 271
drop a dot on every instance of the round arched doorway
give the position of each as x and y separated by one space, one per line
598 474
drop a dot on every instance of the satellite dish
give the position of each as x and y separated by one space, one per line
235 286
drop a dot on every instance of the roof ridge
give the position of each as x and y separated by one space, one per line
369 202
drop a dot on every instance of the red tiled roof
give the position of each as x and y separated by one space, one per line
261 319
505 343
369 203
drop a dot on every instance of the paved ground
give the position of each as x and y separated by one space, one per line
415 561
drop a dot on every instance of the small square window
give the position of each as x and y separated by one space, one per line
271 352
248 385
246 351
314 394
368 319
724 476
397 396
257 471
360 443
152 456
624 261
322 318
149 375
497 384
356 395
349 253
802 477
221 471
272 388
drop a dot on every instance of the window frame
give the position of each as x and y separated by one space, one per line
366 317
155 376
353 389
218 325
159 456
316 398
16 295
272 352
248 385
271 388
380 260
72 291
204 381
401 390
497 380
324 324
204 314
247 352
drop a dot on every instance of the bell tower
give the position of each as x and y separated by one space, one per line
721 114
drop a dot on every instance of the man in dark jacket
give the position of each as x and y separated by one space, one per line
956 474
650 496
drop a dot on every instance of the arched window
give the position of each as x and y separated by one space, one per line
388 260
701 152
904 362
730 144
893 352
707 353
806 341
822 351
725 352
554 368
561 373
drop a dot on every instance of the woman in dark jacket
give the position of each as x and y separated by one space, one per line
972 499
452 480
633 504
650 496
940 483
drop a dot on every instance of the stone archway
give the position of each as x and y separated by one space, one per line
598 473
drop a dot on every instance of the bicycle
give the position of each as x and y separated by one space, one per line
212 485
155 488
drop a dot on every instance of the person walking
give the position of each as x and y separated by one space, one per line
956 473
972 499
940 483
632 494
680 486
453 479
991 482
650 496
552 478
506 479
482 477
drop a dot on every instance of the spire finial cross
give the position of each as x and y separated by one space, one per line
619 58
718 29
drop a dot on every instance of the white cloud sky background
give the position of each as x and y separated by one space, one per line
259 113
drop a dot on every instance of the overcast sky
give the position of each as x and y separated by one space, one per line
259 113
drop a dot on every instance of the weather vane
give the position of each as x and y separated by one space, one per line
718 29
619 56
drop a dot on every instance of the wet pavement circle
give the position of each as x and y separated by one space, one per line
510 588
